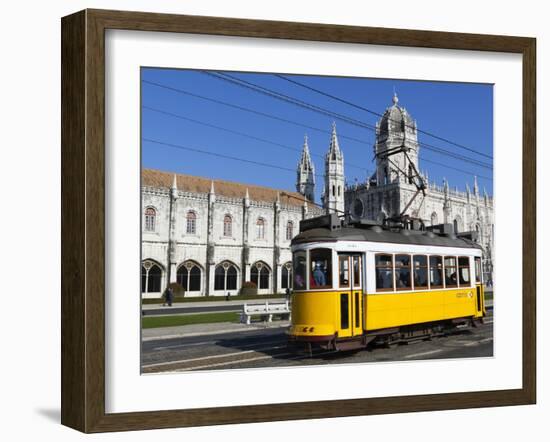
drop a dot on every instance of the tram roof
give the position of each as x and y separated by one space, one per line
410 237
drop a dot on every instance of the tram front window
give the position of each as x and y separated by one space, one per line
320 276
300 267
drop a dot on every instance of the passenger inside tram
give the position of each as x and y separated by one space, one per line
319 277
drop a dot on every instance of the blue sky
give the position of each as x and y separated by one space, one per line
459 112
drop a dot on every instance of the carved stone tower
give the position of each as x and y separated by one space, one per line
395 129
333 200
305 177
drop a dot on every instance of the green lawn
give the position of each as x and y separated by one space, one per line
178 299
201 318
488 295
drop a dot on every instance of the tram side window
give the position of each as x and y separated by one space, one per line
450 272
464 271
344 270
300 266
478 269
384 273
436 272
420 264
321 269
403 272
356 271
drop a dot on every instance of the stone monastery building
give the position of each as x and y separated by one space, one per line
210 236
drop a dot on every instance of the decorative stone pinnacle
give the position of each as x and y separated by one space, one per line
395 100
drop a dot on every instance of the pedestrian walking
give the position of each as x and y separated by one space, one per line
227 296
169 296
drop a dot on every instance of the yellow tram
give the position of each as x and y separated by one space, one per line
357 283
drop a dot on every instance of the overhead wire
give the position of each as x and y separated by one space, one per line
263 114
219 155
253 137
349 103
349 120
179 90
249 110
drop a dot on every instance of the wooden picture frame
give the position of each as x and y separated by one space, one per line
83 220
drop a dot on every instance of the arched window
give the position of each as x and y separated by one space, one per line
411 174
286 276
225 276
227 225
386 176
457 224
333 190
358 208
189 276
150 219
339 190
259 274
151 277
479 233
289 230
260 228
191 223
434 219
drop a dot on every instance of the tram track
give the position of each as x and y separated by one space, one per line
228 359
268 349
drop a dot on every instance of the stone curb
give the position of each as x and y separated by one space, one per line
283 324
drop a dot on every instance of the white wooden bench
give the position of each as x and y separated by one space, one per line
266 309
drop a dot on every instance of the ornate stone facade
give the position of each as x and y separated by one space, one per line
389 190
211 236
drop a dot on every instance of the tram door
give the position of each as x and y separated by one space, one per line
350 294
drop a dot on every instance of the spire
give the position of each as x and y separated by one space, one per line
305 176
246 199
476 188
174 189
212 193
334 176
334 148
305 160
446 202
395 100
